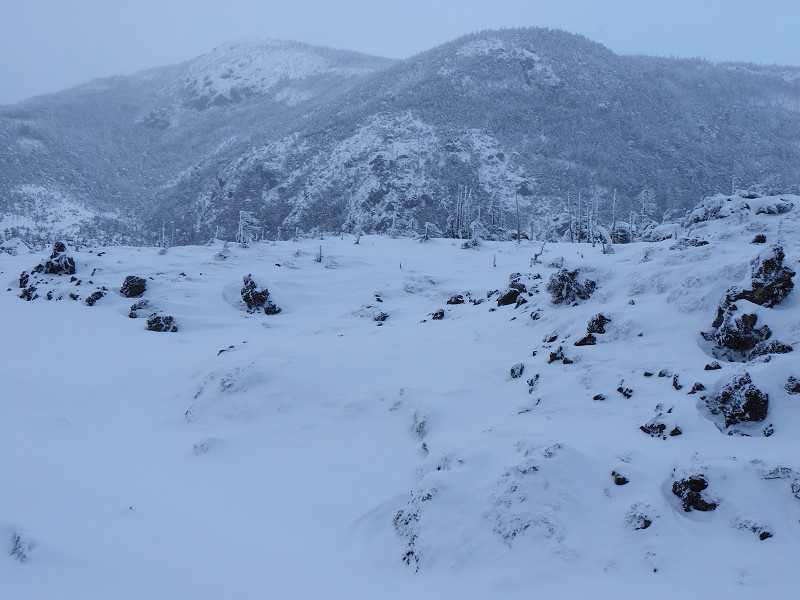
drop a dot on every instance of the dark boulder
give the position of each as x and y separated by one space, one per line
456 299
792 385
739 401
712 366
589 340
517 370
738 332
257 299
771 279
690 490
166 323
58 263
759 239
510 297
619 479
438 315
133 286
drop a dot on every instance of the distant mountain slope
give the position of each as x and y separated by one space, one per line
314 138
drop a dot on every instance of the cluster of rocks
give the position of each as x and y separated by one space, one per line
734 333
517 291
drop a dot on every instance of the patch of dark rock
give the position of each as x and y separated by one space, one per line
517 370
380 317
792 385
59 262
597 324
712 366
137 306
684 243
771 347
550 338
647 374
164 323
739 332
697 387
567 361
690 490
676 431
29 293
133 286
225 350
456 299
564 286
557 355
759 239
599 397
520 301
625 391
74 297
676 383
515 283
739 401
763 535
589 340
654 428
664 373
510 297
438 315
257 299
631 302
535 315
94 297
619 479
532 382
768 430
771 279
23 279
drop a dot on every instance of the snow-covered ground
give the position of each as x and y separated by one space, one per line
321 453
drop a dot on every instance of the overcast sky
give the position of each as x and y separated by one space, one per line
49 45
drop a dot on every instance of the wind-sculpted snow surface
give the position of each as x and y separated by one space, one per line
327 452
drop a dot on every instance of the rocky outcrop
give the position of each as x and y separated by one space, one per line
739 401
59 262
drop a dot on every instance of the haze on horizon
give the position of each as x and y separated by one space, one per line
49 45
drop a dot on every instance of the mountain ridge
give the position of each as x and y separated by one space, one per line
519 115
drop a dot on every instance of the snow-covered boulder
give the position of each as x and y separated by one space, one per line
739 401
133 286
257 299
564 286
771 279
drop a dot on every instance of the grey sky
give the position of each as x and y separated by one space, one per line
48 45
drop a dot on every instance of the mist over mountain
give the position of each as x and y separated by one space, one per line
312 139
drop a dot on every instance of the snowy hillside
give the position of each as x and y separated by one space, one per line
412 419
317 138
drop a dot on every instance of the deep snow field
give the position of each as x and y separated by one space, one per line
325 454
